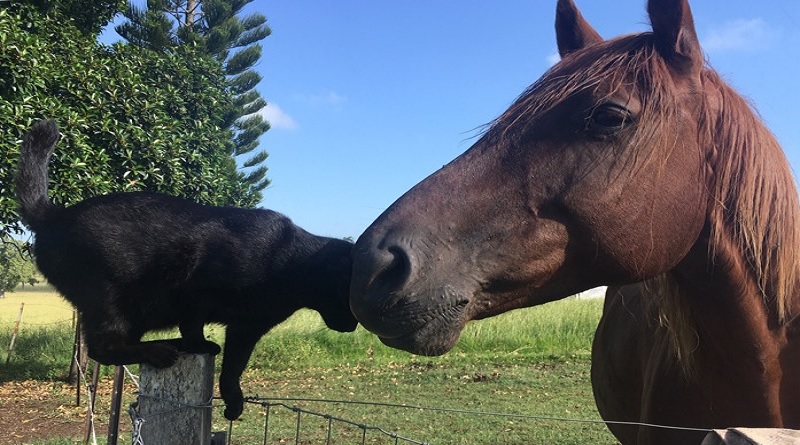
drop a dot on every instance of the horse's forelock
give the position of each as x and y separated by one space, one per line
628 63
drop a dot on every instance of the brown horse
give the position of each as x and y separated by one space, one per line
628 161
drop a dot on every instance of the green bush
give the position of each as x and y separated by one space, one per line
131 118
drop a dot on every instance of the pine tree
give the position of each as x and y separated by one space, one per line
217 29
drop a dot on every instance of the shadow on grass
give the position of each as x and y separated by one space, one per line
37 370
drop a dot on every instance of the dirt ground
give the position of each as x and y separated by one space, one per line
34 410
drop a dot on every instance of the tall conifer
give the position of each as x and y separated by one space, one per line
219 29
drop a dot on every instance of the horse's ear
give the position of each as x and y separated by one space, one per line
573 32
674 33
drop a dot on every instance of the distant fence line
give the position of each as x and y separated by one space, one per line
64 321
29 319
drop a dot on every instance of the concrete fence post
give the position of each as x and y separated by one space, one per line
175 401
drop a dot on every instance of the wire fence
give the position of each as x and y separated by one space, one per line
288 420
331 423
335 429
284 402
299 430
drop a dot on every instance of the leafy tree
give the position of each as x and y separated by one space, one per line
16 267
131 119
89 17
213 26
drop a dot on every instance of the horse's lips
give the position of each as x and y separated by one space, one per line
435 337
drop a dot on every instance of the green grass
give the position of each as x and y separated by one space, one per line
531 362
43 346
42 306
550 387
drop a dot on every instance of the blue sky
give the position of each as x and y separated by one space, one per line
369 97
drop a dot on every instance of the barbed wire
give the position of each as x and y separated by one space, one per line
256 399
136 426
283 402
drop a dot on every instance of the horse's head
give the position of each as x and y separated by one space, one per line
595 175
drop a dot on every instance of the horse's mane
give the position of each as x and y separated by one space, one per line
754 206
755 192
753 201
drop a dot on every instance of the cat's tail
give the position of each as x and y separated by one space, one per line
31 181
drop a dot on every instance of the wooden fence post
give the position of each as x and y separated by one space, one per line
116 405
175 401
80 357
14 333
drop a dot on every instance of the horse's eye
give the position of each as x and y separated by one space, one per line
608 119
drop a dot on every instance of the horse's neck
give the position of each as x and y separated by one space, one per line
728 309
742 348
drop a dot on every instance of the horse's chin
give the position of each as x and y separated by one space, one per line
434 338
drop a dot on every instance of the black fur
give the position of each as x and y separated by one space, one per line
136 262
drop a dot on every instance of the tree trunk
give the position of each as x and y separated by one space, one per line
190 7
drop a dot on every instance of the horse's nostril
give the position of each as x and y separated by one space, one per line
378 274
396 273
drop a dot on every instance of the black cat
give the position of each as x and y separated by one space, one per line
137 262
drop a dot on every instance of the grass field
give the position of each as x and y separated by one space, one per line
42 307
530 363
